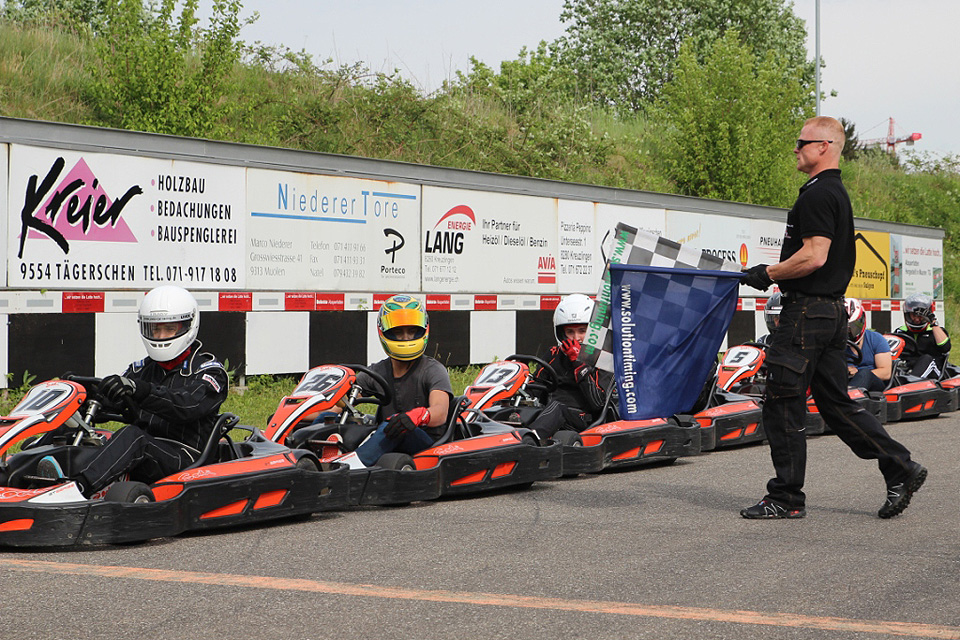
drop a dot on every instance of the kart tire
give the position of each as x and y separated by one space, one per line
308 464
128 491
530 439
568 438
396 461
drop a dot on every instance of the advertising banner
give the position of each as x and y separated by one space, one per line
578 263
724 238
668 325
324 233
101 221
871 275
488 242
4 245
922 266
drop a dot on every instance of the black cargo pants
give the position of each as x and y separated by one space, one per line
807 352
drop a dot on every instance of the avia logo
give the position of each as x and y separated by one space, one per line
77 209
448 238
546 270
743 255
396 246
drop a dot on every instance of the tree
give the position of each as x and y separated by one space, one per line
624 51
731 122
851 144
164 74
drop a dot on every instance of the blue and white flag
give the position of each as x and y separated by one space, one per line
668 325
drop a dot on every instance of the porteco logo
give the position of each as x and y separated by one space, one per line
79 209
449 239
743 255
396 246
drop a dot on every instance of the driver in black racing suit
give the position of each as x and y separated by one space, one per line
177 390
581 389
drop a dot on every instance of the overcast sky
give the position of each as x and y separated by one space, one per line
884 58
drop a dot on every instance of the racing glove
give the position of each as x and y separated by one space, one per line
114 388
757 277
400 424
570 348
932 318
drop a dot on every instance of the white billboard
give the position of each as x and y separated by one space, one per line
488 242
103 221
323 233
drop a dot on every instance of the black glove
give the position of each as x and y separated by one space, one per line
114 388
398 425
932 318
757 277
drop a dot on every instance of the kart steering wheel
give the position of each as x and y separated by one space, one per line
128 410
857 352
549 382
381 396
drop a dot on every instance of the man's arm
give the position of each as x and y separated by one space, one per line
811 256
439 407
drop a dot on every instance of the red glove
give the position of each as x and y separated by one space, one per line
399 424
570 348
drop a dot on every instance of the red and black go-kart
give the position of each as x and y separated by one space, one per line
231 483
726 414
506 392
321 415
873 401
912 397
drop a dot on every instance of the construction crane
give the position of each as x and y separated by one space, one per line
891 141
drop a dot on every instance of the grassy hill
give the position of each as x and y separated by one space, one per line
277 98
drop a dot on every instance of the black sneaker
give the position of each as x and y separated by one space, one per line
898 495
767 510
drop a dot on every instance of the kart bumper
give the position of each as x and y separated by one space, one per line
627 443
730 424
198 505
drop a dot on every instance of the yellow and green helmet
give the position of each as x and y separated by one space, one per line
403 310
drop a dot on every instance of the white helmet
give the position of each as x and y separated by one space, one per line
175 310
856 319
573 309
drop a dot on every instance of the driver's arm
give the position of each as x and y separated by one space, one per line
439 407
883 365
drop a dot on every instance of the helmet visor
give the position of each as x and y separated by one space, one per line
165 327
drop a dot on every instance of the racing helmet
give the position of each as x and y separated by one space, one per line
573 309
403 310
771 311
919 303
169 322
856 319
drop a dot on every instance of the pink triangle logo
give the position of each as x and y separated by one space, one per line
80 209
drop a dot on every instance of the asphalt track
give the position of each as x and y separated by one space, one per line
659 552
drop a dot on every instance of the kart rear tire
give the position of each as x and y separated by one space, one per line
568 438
397 462
128 491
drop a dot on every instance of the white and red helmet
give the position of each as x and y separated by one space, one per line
856 319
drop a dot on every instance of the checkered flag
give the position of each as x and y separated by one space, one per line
632 246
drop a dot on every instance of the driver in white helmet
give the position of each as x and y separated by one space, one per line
581 389
926 343
417 414
177 392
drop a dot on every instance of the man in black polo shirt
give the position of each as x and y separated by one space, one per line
807 348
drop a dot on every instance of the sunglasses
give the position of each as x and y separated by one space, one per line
801 143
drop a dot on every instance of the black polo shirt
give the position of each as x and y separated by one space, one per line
822 209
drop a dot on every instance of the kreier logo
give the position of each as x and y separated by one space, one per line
447 235
77 209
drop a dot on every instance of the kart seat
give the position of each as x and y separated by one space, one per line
225 422
456 428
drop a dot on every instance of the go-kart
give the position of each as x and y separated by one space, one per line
507 392
231 483
873 401
322 415
727 415
915 397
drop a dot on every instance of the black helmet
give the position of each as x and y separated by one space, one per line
920 304
771 311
